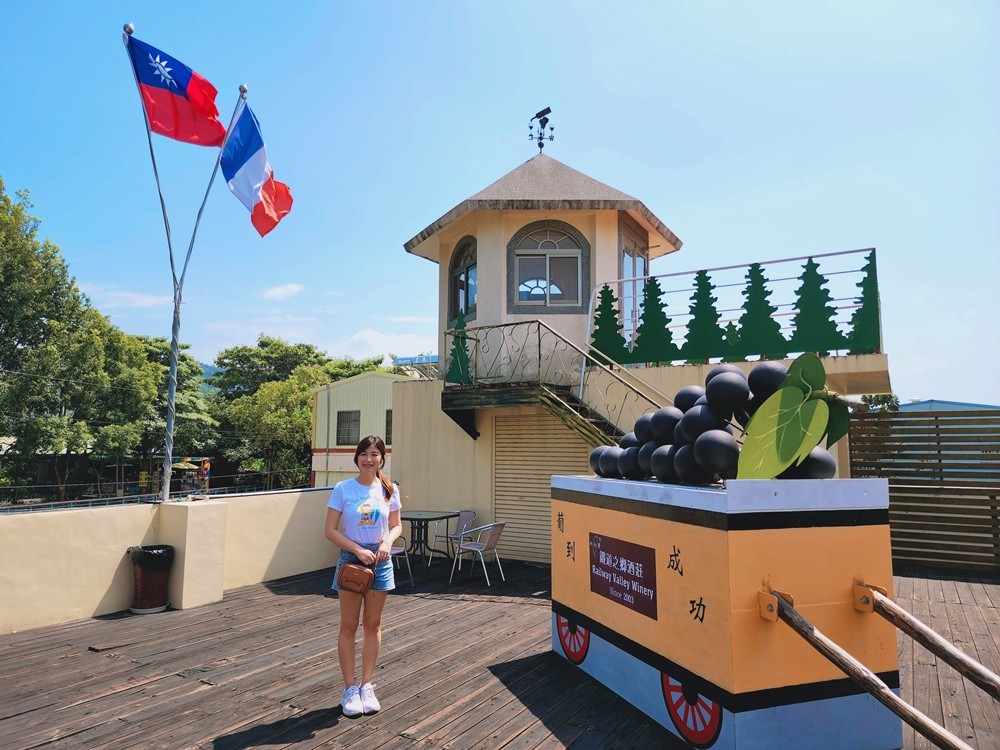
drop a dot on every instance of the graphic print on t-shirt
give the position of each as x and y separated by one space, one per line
369 515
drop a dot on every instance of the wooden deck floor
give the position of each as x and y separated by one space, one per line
462 666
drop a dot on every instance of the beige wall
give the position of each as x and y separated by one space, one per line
438 466
58 566
493 230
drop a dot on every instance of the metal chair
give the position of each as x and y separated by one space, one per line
396 552
486 541
462 525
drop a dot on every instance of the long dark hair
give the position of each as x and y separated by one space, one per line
364 445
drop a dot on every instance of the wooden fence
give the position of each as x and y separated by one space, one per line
944 483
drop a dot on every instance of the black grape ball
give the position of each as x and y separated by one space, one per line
721 368
687 467
609 462
629 440
628 464
699 419
679 438
663 423
819 464
727 392
595 458
765 378
645 454
642 429
684 398
716 451
662 464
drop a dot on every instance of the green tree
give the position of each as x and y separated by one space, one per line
275 427
36 290
815 329
882 401
244 369
607 340
705 339
654 341
865 336
760 332
196 429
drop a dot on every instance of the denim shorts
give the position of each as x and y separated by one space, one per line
385 580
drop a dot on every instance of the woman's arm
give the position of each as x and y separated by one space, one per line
395 529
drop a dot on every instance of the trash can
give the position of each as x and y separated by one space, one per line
151 568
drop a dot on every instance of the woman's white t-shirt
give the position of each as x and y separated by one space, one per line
364 510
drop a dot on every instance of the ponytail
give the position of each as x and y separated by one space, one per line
387 486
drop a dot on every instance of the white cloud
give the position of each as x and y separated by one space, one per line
106 298
282 291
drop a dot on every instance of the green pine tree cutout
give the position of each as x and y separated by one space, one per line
760 332
814 327
705 338
864 337
732 341
653 340
608 339
458 367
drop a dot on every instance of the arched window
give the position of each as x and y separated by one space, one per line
462 280
548 264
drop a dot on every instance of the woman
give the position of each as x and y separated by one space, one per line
369 507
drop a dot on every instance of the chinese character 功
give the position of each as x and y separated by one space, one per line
697 609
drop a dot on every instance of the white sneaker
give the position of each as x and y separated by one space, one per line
351 702
369 702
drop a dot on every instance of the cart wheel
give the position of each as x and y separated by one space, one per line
697 718
574 639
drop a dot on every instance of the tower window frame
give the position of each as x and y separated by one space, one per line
463 277
548 269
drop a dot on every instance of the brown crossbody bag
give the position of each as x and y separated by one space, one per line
355 578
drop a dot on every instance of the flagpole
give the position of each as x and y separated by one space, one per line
172 388
175 329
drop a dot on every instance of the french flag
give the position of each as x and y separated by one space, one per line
250 177
179 102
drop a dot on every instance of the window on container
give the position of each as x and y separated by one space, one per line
388 426
348 427
462 280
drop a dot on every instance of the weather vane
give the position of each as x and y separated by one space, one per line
543 122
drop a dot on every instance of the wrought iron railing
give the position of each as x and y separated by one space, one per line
533 353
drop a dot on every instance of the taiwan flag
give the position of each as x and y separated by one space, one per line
179 102
250 177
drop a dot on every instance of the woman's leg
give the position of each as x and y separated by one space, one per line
350 615
371 641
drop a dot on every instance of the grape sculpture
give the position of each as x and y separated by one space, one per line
764 424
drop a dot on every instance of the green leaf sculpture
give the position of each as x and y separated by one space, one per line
792 422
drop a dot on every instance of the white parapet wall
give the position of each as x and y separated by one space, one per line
64 565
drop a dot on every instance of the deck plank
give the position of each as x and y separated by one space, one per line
462 666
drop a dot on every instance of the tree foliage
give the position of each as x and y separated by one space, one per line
608 339
653 339
705 338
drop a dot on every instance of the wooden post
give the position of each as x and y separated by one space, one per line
867 679
962 662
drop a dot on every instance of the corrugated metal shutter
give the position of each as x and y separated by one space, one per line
528 451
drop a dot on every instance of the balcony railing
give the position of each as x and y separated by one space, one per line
531 353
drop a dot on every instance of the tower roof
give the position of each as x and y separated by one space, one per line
545 184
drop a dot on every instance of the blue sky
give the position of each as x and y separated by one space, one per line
754 130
